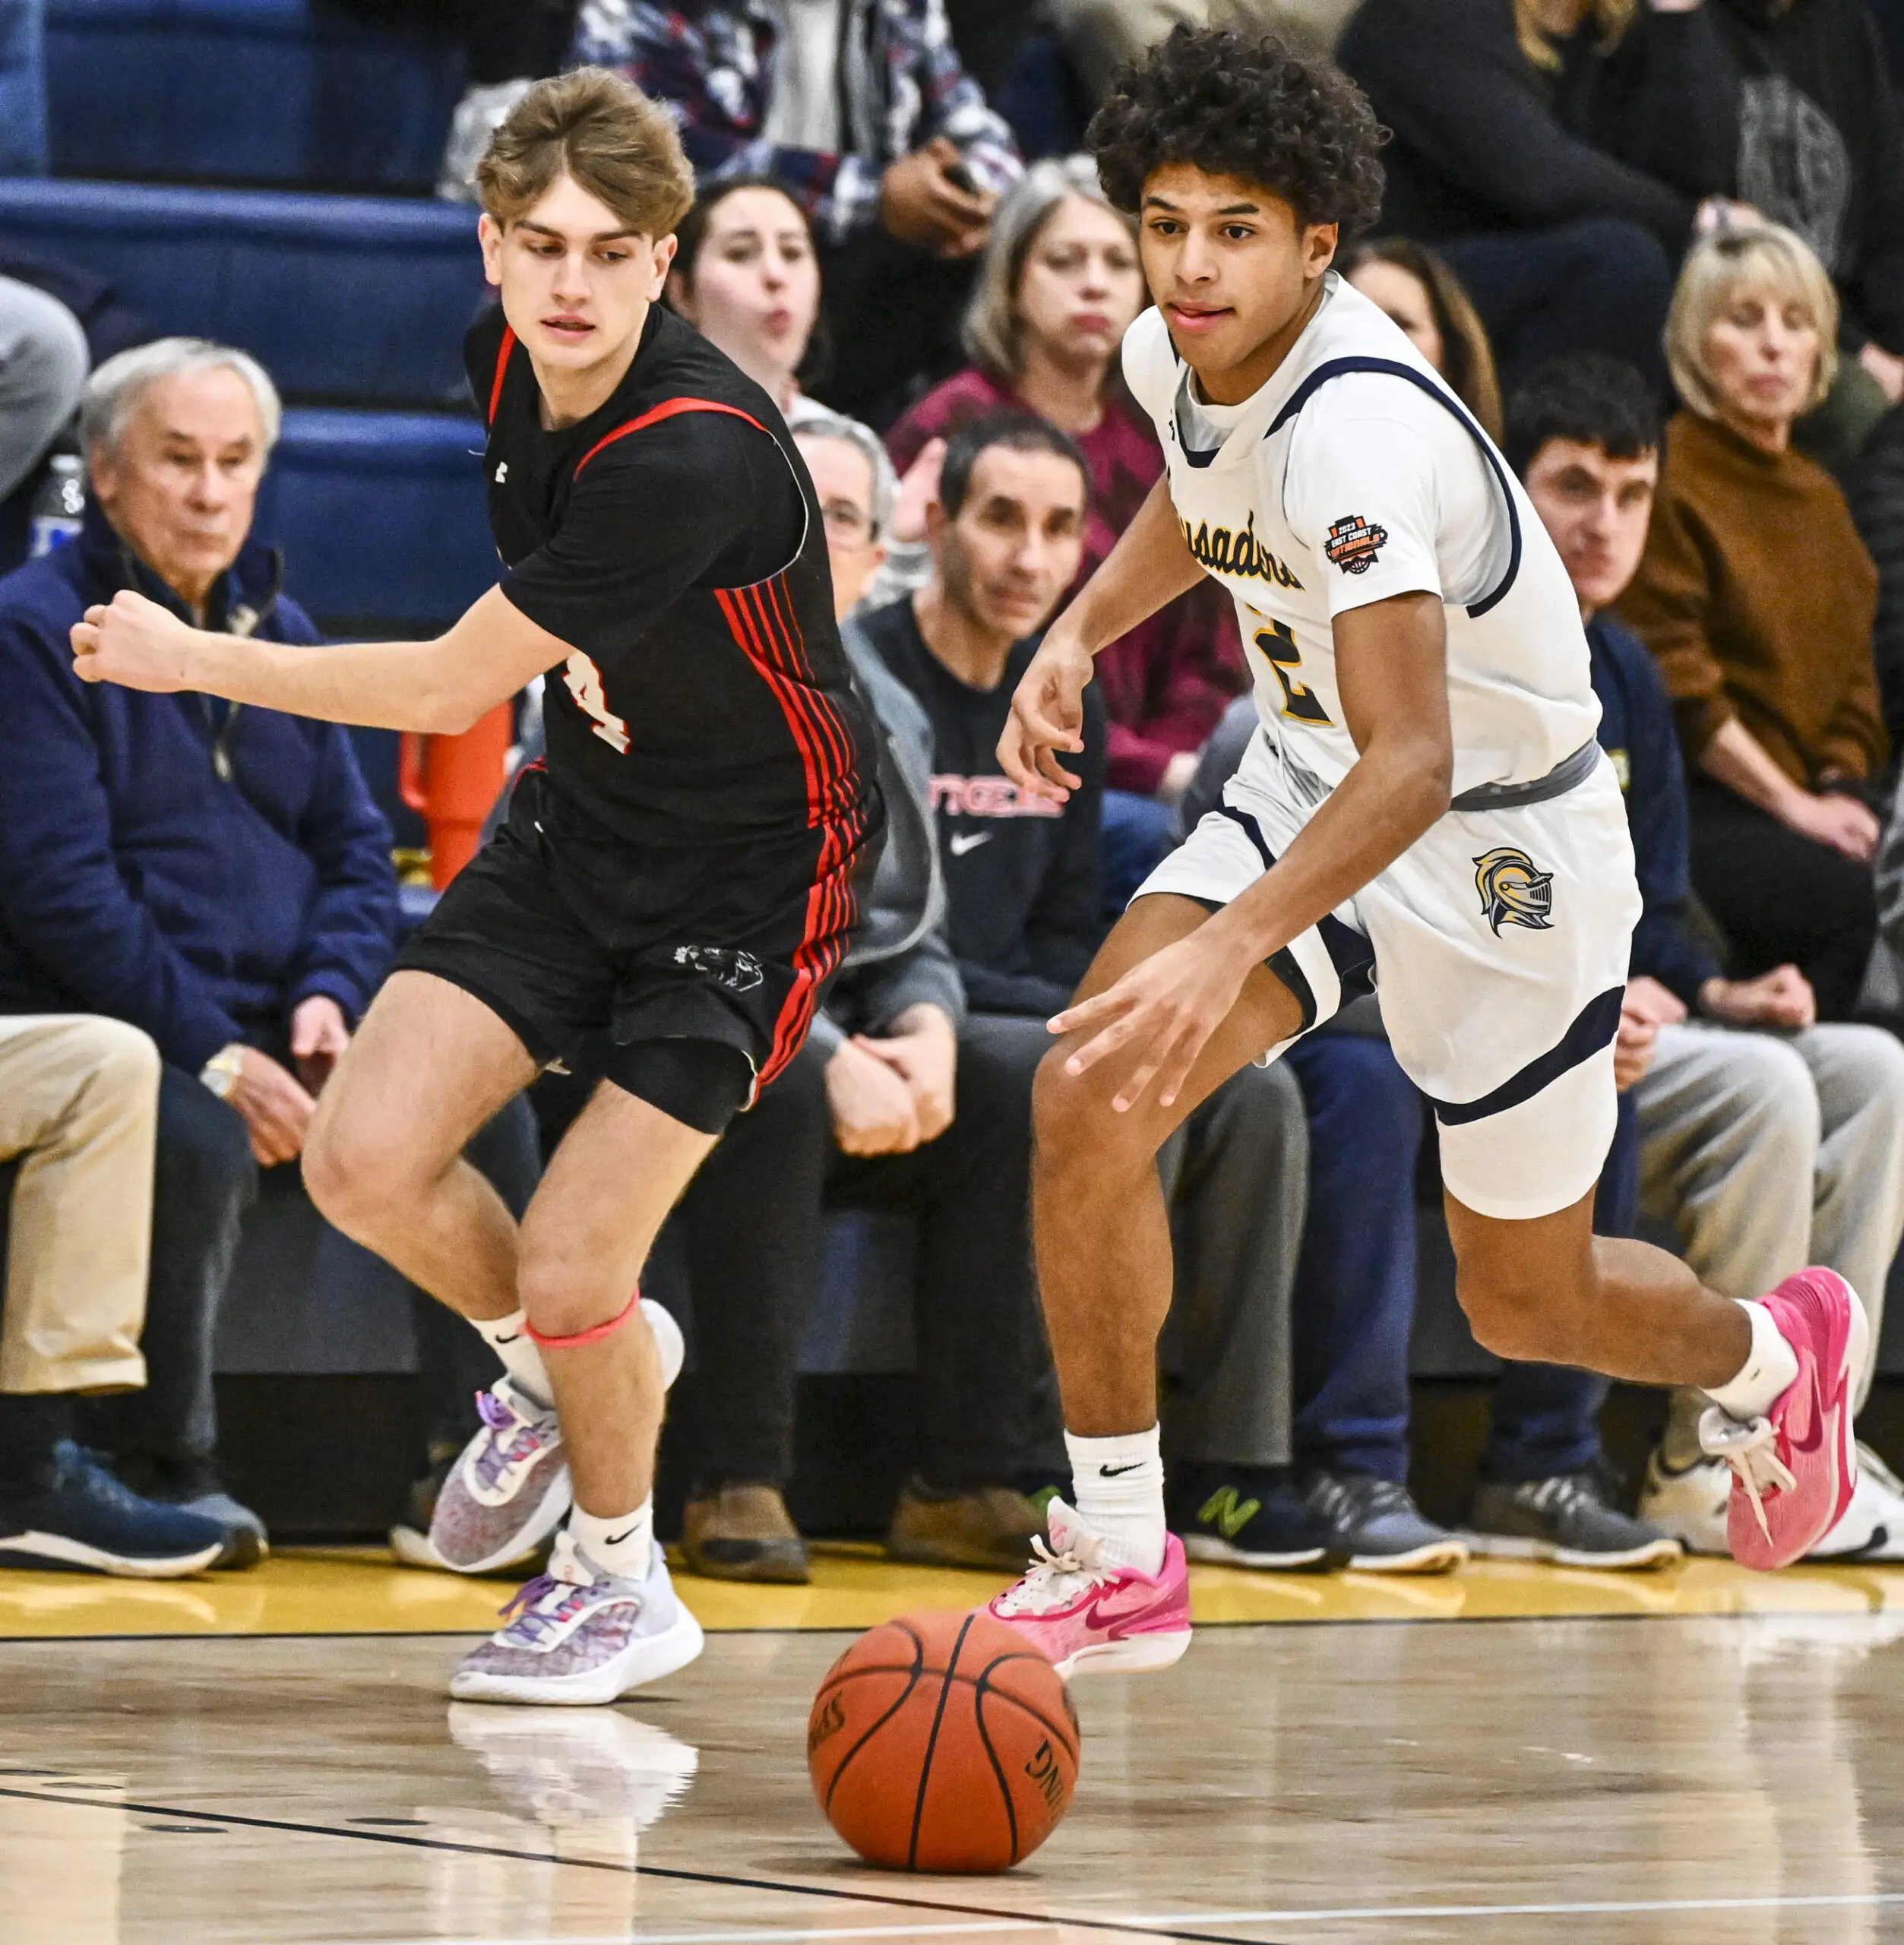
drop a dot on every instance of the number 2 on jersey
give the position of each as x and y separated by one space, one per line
1280 650
583 681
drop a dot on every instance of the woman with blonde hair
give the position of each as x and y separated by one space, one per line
1757 599
1060 285
1558 152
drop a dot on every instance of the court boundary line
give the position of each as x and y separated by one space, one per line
1201 1626
1027 1921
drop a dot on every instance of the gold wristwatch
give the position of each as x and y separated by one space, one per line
220 1073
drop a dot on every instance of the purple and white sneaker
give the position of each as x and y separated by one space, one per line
577 1636
510 1490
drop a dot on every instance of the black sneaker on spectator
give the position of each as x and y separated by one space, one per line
991 1527
1566 1519
1250 1516
76 1517
1379 1526
744 1532
193 1486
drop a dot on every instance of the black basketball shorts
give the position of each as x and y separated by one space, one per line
687 975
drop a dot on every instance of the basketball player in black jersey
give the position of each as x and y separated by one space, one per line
674 885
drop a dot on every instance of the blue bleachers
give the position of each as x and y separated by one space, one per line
343 297
257 91
380 516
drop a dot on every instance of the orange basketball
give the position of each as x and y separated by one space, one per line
942 1742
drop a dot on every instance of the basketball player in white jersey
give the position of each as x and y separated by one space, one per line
1424 807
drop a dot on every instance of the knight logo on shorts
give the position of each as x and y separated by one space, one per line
1513 890
738 971
1354 544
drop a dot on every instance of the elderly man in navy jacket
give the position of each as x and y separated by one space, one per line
217 876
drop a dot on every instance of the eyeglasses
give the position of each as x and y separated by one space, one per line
850 525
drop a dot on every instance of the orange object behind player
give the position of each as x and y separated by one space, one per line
941 1742
453 782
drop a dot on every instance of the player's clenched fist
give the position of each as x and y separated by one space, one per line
134 642
1047 714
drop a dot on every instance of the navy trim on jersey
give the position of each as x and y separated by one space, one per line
1595 1024
1336 367
1351 954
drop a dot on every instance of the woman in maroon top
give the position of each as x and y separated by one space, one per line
1060 285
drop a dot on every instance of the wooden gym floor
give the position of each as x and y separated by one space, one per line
269 1759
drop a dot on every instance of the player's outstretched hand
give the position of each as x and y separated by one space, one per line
1047 714
134 642
1161 1015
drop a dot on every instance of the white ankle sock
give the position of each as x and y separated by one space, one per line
1769 1367
509 1338
623 1546
1117 1484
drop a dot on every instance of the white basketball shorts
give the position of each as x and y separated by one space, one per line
1499 942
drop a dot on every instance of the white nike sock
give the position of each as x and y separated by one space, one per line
1769 1367
623 1546
509 1338
1117 1484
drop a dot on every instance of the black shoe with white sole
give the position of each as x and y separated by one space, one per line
1566 1519
1250 1516
76 1517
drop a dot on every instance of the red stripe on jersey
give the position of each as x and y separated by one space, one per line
502 367
823 747
832 748
790 629
671 409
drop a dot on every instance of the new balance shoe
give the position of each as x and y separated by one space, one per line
578 1637
510 1490
1566 1519
1248 1516
744 1532
1688 1504
989 1527
1795 1469
193 1485
1871 1528
1379 1527
1083 1612
77 1516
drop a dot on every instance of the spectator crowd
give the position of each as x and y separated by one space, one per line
1656 247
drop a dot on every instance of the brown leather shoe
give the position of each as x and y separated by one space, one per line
992 1527
743 1532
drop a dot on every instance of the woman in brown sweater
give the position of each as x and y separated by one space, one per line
1757 597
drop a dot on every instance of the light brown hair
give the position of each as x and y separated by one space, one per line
598 128
1466 355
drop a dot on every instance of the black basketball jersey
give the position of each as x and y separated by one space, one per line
672 539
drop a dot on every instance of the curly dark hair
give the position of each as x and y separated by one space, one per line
1259 109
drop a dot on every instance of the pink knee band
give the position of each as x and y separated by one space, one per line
593 1335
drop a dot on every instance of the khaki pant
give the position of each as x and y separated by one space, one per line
1768 1153
1099 35
79 1112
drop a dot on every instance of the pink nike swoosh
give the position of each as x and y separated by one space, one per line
1116 1605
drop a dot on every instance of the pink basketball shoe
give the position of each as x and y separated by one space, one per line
1084 1611
1793 1470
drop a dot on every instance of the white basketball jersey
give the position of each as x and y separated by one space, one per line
1354 475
